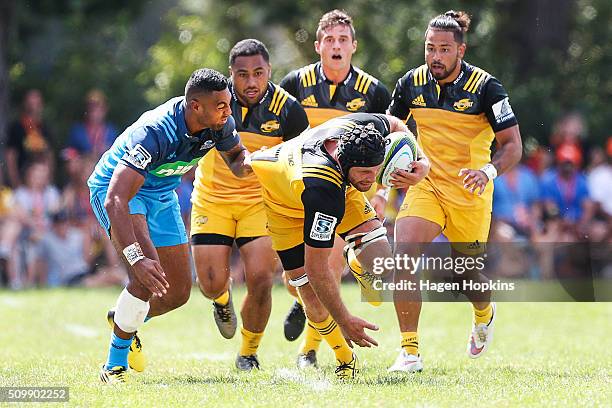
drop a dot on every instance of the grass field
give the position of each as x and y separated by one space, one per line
544 354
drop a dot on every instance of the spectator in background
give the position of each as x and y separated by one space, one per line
75 194
515 198
94 135
568 129
104 266
5 205
600 186
28 221
28 139
62 254
600 180
540 160
565 188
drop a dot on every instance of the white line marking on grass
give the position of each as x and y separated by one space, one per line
294 375
81 331
12 302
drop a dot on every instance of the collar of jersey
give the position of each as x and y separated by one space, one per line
346 80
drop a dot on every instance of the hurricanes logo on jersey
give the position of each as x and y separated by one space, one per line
270 126
419 101
310 102
355 104
463 104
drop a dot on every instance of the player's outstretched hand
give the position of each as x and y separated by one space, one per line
354 332
151 275
474 180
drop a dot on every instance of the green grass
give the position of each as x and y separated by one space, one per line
544 354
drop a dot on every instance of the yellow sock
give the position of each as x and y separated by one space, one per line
299 300
483 316
333 336
410 342
312 339
223 299
250 342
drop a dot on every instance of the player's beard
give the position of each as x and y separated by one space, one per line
360 186
446 72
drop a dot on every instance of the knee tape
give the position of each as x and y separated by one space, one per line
130 312
360 241
300 281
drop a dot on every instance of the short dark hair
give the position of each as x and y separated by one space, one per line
333 18
457 22
247 48
205 80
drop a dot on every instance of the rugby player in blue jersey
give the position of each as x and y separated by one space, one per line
132 195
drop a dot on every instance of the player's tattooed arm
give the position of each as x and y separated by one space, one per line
238 160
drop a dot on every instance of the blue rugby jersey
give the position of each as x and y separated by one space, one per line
159 147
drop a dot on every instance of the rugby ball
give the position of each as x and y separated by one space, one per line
400 152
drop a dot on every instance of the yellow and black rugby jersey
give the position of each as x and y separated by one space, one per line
456 125
323 100
300 179
276 118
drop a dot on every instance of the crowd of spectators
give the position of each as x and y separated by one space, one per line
560 193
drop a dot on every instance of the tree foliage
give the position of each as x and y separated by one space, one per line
552 55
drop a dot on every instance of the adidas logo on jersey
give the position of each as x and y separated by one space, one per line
310 101
419 101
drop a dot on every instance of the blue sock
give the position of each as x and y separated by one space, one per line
118 352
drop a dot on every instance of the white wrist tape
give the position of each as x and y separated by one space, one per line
384 193
133 253
490 170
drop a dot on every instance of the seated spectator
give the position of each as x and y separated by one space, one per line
64 258
28 139
94 135
61 255
600 186
565 188
600 180
27 222
75 202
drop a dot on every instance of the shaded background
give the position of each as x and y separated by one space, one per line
553 56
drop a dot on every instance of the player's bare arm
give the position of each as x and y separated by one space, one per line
123 185
508 154
326 289
237 159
